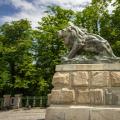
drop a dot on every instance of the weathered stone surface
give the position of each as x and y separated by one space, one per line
82 113
108 97
75 113
67 113
55 113
92 96
105 114
6 100
85 84
96 96
23 114
100 79
61 80
115 79
18 101
49 99
80 78
116 96
83 97
112 96
90 67
64 96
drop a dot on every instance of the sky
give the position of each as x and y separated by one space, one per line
33 10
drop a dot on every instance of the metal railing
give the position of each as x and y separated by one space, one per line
34 101
28 101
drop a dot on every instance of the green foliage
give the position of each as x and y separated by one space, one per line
97 19
50 48
90 17
28 57
16 53
115 26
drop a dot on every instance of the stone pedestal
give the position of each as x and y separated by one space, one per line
18 101
76 85
6 100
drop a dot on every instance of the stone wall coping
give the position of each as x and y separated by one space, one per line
6 95
88 67
85 107
18 95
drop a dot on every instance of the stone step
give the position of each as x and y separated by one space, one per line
82 113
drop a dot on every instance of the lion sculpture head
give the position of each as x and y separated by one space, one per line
71 34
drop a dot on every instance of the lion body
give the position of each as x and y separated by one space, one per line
78 40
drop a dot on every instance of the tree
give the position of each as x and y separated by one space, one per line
16 55
49 47
115 25
90 17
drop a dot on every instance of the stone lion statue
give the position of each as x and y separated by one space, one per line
79 41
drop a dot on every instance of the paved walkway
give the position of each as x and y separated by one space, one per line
21 114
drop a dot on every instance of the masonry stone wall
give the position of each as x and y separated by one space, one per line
85 92
95 86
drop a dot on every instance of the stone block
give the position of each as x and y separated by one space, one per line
100 79
63 96
92 96
105 114
116 96
74 113
96 97
82 113
108 97
55 113
61 80
67 113
112 96
83 97
115 79
80 78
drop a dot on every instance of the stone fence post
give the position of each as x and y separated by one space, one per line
6 100
18 101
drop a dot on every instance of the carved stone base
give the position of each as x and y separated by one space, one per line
82 113
76 85
86 84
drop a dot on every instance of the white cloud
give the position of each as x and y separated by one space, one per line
111 7
34 10
22 4
69 4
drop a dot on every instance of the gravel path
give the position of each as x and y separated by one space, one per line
21 114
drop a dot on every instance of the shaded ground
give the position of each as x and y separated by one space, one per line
21 114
